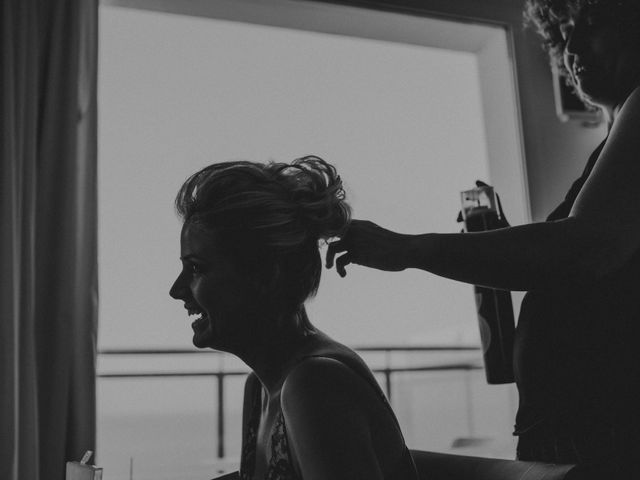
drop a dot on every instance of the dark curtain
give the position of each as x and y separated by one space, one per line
48 241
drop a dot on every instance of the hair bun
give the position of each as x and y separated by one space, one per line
316 190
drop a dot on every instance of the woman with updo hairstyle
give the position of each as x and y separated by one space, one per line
576 361
250 259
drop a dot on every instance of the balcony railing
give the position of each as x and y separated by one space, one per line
387 371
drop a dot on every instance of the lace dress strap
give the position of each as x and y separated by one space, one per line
280 466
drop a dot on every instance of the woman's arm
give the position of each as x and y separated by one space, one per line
250 386
601 233
327 422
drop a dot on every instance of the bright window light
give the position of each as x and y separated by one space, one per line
402 123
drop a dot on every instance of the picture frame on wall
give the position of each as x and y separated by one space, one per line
569 106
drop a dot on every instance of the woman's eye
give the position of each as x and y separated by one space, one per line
195 269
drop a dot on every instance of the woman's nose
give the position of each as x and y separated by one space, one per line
178 288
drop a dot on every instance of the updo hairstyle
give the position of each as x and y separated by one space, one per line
546 16
269 218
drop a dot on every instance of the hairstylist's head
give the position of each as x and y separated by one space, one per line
594 43
250 247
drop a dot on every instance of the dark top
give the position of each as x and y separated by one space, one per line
576 363
280 466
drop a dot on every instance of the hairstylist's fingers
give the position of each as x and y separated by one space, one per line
341 262
334 248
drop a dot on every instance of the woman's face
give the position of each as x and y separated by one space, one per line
211 288
603 67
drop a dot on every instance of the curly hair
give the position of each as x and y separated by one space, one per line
546 16
270 217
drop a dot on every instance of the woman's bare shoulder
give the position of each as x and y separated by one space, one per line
321 381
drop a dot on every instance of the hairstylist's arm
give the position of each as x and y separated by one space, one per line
600 235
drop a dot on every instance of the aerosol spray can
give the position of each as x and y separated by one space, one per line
494 307
82 470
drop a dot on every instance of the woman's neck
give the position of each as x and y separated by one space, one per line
275 353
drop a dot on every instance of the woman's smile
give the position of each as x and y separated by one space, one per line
581 70
202 316
202 329
193 308
588 77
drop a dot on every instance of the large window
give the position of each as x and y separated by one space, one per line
403 122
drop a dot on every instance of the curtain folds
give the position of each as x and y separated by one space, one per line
48 235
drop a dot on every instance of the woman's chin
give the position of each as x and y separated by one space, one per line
202 333
200 341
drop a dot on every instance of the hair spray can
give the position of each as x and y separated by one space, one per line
494 307
82 470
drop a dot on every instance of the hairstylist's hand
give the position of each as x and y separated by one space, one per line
367 244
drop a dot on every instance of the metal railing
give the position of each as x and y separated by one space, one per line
387 371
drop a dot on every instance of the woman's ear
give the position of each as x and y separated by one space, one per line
268 281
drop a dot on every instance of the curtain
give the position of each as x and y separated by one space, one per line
48 241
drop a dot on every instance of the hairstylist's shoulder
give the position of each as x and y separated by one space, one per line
606 208
617 165
630 108
623 143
